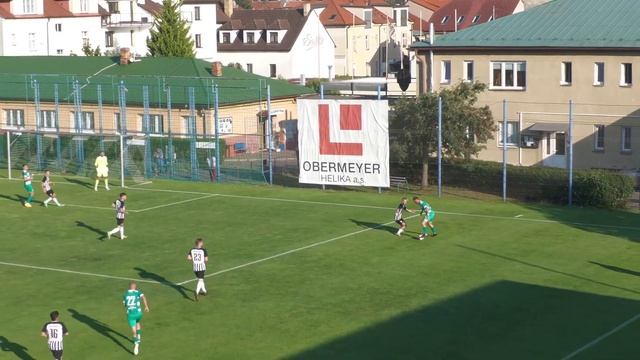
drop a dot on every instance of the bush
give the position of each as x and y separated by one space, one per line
596 188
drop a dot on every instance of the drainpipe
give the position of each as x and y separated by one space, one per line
431 41
48 23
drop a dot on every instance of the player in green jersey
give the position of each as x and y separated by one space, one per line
427 221
131 301
28 186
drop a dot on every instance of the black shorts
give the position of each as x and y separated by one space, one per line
401 222
50 193
119 222
57 354
199 274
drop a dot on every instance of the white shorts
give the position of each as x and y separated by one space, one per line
102 172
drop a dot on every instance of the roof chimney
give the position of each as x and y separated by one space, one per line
307 9
125 56
216 69
228 7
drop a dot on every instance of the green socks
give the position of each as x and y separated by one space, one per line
425 230
30 198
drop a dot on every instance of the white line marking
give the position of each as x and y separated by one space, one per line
602 337
293 251
518 216
141 184
77 272
90 207
175 203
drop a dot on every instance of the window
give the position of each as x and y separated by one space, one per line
48 119
84 6
561 143
251 37
460 19
32 41
444 20
366 42
598 74
445 71
273 37
467 70
86 122
475 19
404 13
144 19
59 51
196 13
405 42
58 27
108 39
156 124
198 41
226 38
566 75
490 18
85 38
113 7
367 19
250 68
29 6
599 137
272 70
508 75
512 133
626 139
383 54
14 117
626 74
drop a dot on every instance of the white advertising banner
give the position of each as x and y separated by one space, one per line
344 142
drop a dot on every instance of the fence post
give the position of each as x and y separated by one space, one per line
439 146
169 151
570 152
9 154
147 135
192 132
270 124
216 116
121 160
77 102
100 116
122 104
36 100
504 150
56 100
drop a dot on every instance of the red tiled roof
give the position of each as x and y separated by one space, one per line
52 9
336 15
151 7
430 4
483 9
416 23
378 17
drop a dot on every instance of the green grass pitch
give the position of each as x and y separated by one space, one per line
310 274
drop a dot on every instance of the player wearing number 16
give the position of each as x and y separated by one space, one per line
55 331
131 301
199 257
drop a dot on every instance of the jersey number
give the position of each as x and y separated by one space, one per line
53 333
197 257
131 301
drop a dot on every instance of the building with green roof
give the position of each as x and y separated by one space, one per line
583 51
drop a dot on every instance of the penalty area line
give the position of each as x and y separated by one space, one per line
293 251
77 272
175 203
597 340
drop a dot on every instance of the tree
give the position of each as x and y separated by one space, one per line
89 51
466 127
245 4
169 35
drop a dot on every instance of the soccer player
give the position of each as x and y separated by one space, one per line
121 210
55 331
198 255
46 187
399 220
427 221
131 301
102 170
27 178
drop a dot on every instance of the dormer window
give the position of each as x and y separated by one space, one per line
444 20
250 37
400 17
226 38
490 18
273 37
367 18
29 6
460 19
475 19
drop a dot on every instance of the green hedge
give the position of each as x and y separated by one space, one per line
597 188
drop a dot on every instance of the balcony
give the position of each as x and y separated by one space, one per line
127 21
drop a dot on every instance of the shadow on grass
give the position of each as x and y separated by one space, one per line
144 274
18 350
83 183
375 226
616 269
17 198
102 235
501 320
102 329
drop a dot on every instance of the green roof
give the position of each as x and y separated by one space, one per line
93 74
605 24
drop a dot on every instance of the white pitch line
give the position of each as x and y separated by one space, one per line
518 216
77 272
293 251
602 337
90 207
175 203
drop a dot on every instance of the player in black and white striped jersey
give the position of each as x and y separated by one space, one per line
121 210
48 189
55 331
198 256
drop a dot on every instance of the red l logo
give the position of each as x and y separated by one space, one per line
350 119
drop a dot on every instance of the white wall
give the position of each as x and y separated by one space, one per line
204 27
137 41
70 38
16 37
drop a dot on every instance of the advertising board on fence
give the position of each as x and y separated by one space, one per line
344 142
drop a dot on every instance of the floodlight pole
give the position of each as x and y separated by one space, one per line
439 146
504 150
270 134
570 152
